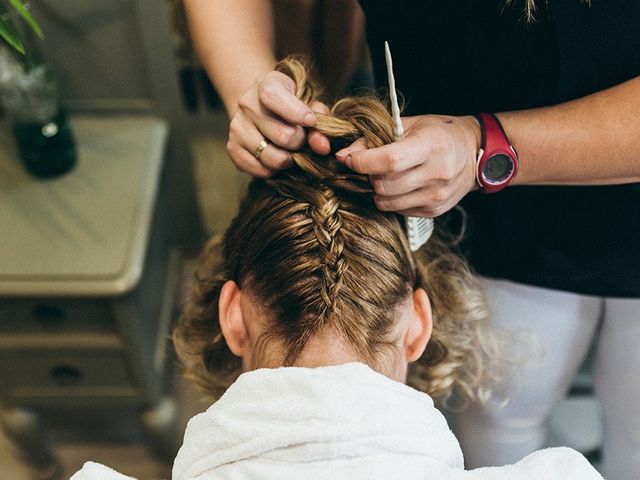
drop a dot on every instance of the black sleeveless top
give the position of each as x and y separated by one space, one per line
460 57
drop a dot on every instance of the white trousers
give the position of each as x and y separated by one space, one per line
564 325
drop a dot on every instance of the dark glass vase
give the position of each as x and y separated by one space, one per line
29 94
46 146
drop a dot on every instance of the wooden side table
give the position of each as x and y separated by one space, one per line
87 282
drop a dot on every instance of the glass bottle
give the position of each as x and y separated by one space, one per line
29 94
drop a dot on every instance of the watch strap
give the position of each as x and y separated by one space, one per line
493 141
492 135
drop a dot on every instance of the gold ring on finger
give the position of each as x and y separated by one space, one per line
260 148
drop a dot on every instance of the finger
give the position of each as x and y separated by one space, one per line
397 203
275 158
245 162
427 212
394 157
413 212
319 107
276 95
356 146
398 183
319 143
426 202
243 135
272 156
282 134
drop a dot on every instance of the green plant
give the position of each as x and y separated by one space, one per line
7 30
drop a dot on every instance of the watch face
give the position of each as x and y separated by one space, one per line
498 168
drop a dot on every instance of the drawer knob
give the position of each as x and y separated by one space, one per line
66 375
48 316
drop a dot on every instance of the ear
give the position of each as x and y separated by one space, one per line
231 318
419 331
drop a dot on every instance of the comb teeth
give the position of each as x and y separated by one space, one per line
419 230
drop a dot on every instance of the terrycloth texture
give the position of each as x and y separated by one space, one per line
96 471
340 422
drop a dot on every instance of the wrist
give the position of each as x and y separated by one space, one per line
509 122
473 133
234 87
497 159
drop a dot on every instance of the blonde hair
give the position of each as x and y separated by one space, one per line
311 246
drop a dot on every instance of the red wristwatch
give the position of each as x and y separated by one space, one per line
497 159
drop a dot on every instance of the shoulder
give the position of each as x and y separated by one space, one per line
551 464
97 471
563 462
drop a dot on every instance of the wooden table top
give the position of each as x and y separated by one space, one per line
84 233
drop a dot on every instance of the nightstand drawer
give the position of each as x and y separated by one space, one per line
32 373
58 315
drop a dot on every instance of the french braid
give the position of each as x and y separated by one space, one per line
311 247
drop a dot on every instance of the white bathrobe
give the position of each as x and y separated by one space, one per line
339 422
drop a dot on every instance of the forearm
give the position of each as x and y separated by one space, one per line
235 43
343 26
594 140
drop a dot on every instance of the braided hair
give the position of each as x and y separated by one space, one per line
315 252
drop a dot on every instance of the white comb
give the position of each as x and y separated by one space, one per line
419 229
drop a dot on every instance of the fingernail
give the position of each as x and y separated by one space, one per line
340 154
309 119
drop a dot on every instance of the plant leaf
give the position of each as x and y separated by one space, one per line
26 15
10 36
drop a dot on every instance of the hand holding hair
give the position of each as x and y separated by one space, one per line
588 141
269 123
425 174
311 246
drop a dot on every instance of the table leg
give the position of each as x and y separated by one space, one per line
24 428
160 424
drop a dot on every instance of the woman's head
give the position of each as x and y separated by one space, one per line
310 264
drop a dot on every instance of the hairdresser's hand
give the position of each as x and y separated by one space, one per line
270 111
426 173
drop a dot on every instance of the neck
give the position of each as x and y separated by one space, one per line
322 349
327 349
